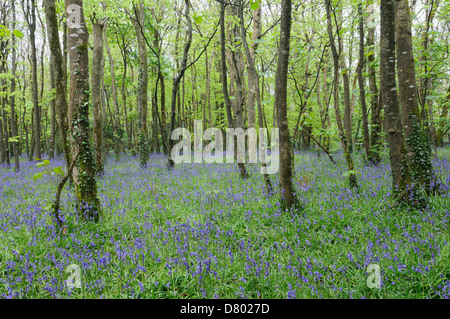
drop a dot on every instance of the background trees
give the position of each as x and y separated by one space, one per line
153 48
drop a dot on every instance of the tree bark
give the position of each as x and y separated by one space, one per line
252 73
116 123
362 92
59 74
426 82
388 91
241 166
78 114
177 80
442 120
30 14
376 124
51 144
353 182
4 115
13 89
97 93
124 98
253 82
417 140
346 80
286 187
142 103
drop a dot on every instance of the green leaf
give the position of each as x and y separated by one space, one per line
4 31
37 176
18 34
58 170
47 162
198 19
254 5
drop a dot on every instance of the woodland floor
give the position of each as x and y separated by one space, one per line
202 232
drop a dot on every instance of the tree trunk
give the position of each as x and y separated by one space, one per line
207 91
426 82
97 93
388 91
241 166
252 73
286 187
13 89
124 99
4 90
353 182
143 143
346 80
84 172
31 21
376 127
116 123
51 144
417 140
163 109
252 80
442 120
2 144
59 74
177 80
362 93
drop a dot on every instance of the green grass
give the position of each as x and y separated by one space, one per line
161 227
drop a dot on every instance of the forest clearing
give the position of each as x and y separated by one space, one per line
194 149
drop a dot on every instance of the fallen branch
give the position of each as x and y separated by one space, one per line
318 144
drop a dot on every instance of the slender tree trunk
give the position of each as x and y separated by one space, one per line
286 187
252 80
207 89
353 182
124 99
13 89
51 148
237 73
376 125
116 124
209 92
31 21
241 166
306 128
5 118
143 144
155 129
2 143
97 93
362 92
442 121
59 74
65 57
163 109
426 82
177 80
27 144
346 80
252 73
